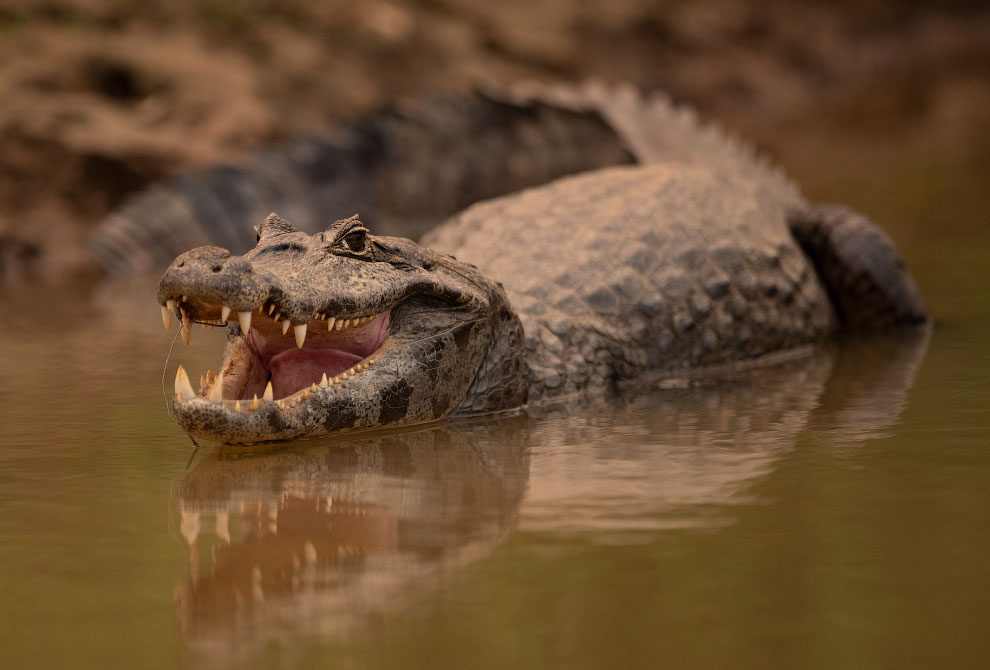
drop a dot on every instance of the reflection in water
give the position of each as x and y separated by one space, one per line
322 539
646 462
325 539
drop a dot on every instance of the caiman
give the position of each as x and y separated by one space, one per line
675 248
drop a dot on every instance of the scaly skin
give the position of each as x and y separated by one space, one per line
705 255
442 320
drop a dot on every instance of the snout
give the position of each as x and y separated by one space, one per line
212 272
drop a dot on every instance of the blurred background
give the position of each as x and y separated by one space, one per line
100 98
833 513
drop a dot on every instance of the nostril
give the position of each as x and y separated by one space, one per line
217 268
181 264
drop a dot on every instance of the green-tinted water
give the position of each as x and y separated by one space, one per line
831 512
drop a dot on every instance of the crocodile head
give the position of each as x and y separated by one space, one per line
341 330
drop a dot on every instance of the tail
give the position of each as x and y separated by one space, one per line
408 169
405 170
861 269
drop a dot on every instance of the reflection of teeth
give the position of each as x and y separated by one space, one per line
189 526
300 332
245 320
183 388
254 403
224 313
222 525
268 396
237 405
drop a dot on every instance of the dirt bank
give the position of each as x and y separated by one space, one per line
103 97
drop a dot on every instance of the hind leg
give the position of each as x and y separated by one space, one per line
860 267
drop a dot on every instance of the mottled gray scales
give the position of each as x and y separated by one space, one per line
564 247
705 256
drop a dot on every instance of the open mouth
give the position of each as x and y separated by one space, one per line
276 359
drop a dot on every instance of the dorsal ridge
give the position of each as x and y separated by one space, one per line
656 130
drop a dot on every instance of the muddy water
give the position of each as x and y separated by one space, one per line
832 511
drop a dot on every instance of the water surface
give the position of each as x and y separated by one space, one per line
832 511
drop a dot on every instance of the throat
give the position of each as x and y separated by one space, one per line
267 355
296 369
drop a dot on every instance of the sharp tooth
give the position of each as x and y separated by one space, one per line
170 304
254 403
224 312
237 405
166 317
371 361
216 393
278 315
186 325
323 380
340 323
245 319
209 376
271 309
268 396
183 388
330 321
202 383
300 332
305 395
285 326
314 388
185 298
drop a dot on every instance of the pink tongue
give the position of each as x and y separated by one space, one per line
296 369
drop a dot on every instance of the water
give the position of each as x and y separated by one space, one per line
833 511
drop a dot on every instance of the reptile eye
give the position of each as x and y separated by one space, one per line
356 240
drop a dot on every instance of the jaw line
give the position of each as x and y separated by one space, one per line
330 408
233 421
